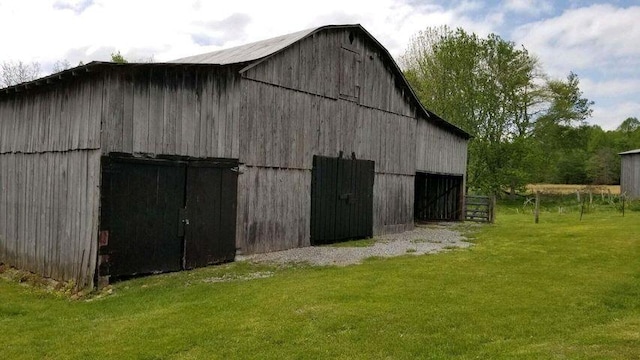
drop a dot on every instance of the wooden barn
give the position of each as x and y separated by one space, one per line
630 174
313 137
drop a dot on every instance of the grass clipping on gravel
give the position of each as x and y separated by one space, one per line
563 288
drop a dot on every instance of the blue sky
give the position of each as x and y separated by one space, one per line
598 40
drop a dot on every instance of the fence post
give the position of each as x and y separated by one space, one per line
537 210
493 209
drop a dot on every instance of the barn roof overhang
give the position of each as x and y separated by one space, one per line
83 70
636 151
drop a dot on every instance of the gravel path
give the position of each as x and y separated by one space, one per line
422 240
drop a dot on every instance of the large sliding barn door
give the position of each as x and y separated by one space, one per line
341 199
161 215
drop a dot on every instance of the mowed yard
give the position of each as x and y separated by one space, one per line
561 289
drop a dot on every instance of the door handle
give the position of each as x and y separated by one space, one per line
182 221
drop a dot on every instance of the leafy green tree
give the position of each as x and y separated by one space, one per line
118 58
486 86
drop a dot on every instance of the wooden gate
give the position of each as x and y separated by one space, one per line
165 215
480 208
341 199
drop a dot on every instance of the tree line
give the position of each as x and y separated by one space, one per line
526 126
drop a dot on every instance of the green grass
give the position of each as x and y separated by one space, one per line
355 243
561 289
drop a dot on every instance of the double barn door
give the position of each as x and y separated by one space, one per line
166 215
341 199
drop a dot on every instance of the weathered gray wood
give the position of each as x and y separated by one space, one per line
180 111
51 119
630 175
392 203
272 211
48 213
439 151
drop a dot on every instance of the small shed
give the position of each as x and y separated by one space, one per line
630 174
111 170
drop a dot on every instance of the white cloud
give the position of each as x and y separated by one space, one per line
611 116
584 38
173 29
610 88
600 44
532 7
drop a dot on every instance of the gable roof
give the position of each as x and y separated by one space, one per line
256 52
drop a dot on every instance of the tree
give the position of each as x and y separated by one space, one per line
488 87
13 73
61 65
629 125
118 58
560 131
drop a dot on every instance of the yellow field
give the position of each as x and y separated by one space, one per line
570 188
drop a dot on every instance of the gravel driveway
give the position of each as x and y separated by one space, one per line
422 240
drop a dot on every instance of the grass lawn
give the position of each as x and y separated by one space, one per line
561 289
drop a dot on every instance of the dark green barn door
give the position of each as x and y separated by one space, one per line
162 215
211 215
140 210
341 199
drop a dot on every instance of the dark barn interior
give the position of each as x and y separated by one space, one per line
438 197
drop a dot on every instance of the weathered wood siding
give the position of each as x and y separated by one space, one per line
392 203
630 175
57 118
172 110
285 128
274 205
438 150
324 95
324 65
49 178
49 213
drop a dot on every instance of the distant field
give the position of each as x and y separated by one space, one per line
572 188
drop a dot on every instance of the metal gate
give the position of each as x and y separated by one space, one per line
341 199
165 215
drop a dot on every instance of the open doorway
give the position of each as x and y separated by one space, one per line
438 197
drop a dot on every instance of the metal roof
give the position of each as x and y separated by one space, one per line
636 151
248 52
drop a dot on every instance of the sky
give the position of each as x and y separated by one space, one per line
599 41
